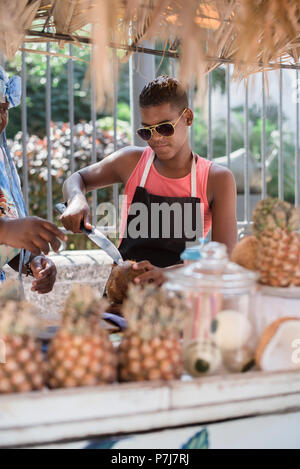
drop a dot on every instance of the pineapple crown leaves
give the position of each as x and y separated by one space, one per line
82 310
153 312
18 318
272 213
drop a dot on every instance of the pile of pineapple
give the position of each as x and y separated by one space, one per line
151 347
274 247
81 353
22 367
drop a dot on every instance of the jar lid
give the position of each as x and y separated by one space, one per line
213 271
191 254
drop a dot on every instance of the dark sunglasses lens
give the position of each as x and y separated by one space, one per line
145 134
165 129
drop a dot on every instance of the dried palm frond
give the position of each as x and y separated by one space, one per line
15 17
254 35
71 15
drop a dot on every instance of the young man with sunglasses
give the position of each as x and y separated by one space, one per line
164 177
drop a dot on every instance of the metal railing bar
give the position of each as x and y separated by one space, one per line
297 153
24 132
246 158
263 140
209 123
48 133
167 53
228 117
94 155
172 67
115 117
71 108
280 153
191 105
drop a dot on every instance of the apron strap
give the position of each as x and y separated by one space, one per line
193 174
194 177
147 169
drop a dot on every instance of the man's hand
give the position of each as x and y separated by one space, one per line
31 233
152 275
76 212
44 271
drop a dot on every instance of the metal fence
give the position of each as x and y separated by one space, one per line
210 150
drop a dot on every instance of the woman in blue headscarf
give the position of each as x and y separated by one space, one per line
19 232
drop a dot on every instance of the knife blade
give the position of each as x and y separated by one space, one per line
97 237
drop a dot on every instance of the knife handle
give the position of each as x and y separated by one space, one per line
61 207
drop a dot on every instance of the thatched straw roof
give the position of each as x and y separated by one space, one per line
253 34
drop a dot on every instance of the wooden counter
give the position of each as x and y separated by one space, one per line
83 413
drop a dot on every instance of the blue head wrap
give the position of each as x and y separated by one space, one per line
10 88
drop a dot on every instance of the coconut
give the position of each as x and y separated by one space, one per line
279 346
245 252
120 277
231 330
239 360
201 357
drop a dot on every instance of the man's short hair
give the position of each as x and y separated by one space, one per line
164 89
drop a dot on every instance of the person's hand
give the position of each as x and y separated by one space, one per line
44 271
152 275
76 212
3 116
31 233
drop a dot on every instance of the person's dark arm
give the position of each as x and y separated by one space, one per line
111 170
223 206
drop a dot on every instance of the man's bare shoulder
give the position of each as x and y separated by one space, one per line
125 160
220 178
129 153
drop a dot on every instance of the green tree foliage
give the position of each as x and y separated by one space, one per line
36 89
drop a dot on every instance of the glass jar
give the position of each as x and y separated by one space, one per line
219 333
191 254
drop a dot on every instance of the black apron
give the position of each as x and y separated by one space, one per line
159 228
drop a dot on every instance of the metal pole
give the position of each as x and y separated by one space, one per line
24 131
172 68
246 159
263 140
48 133
140 74
115 117
71 107
209 126
297 153
228 118
191 105
94 155
280 155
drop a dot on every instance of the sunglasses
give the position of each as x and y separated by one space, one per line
166 129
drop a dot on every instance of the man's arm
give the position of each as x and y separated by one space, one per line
223 206
115 168
111 170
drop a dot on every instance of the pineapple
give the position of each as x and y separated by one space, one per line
151 348
278 253
81 354
22 367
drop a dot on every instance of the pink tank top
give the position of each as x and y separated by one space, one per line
168 187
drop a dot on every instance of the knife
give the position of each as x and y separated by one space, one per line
97 237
